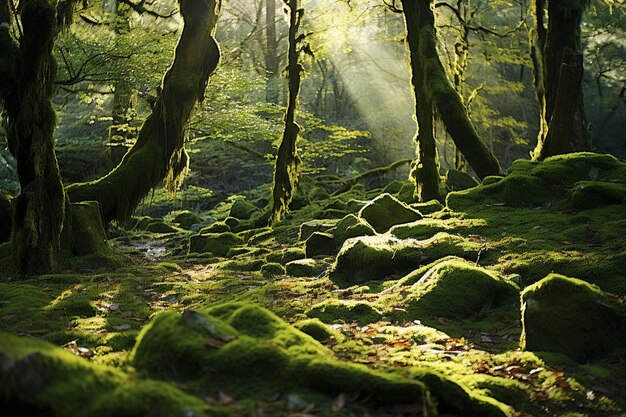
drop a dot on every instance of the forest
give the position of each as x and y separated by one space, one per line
309 208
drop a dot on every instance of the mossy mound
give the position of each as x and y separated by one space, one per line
306 267
317 330
247 351
320 244
283 256
559 180
456 288
429 207
308 228
367 258
351 226
242 209
330 311
561 314
38 379
385 211
272 269
458 180
159 227
186 219
217 244
217 227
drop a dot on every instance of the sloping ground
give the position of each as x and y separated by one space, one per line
357 304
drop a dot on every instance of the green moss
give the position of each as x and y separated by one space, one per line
386 211
308 228
242 209
428 207
160 227
185 219
351 226
247 351
457 180
217 244
317 330
348 311
283 256
217 227
320 244
457 289
567 315
272 269
39 379
306 267
592 194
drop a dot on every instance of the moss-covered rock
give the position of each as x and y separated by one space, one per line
242 209
272 269
592 194
232 223
38 379
217 227
351 226
308 228
317 330
406 193
283 256
186 219
330 311
247 351
306 267
386 211
457 180
159 227
320 244
366 258
394 186
561 314
217 244
456 288
428 207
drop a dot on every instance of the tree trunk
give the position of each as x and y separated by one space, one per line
425 168
287 161
551 61
158 153
272 60
29 71
436 91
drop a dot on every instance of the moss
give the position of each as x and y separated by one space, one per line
160 227
306 267
317 330
320 244
307 228
40 379
283 256
186 219
386 211
455 288
457 180
406 193
246 350
272 269
330 311
592 194
428 207
242 209
217 227
567 315
217 244
491 179
394 186
368 258
351 226
233 223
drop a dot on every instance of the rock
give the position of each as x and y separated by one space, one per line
428 207
159 227
394 186
386 211
592 194
492 179
217 244
284 256
306 267
457 180
317 330
216 227
232 222
242 209
561 314
354 206
320 244
186 219
345 310
272 269
307 228
366 258
456 288
351 226
407 193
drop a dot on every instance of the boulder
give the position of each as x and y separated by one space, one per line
306 267
242 209
330 311
320 244
186 219
272 269
458 180
386 211
351 226
308 228
567 315
217 244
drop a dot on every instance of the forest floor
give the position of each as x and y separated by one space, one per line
356 304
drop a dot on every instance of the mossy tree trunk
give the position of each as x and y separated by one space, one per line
425 168
272 58
444 98
28 71
558 68
287 161
158 154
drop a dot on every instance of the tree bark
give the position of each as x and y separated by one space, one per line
29 71
433 90
272 59
550 54
287 161
158 153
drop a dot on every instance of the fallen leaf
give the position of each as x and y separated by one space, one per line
338 403
121 327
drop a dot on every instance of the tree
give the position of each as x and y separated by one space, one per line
28 70
558 70
159 153
433 90
287 161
